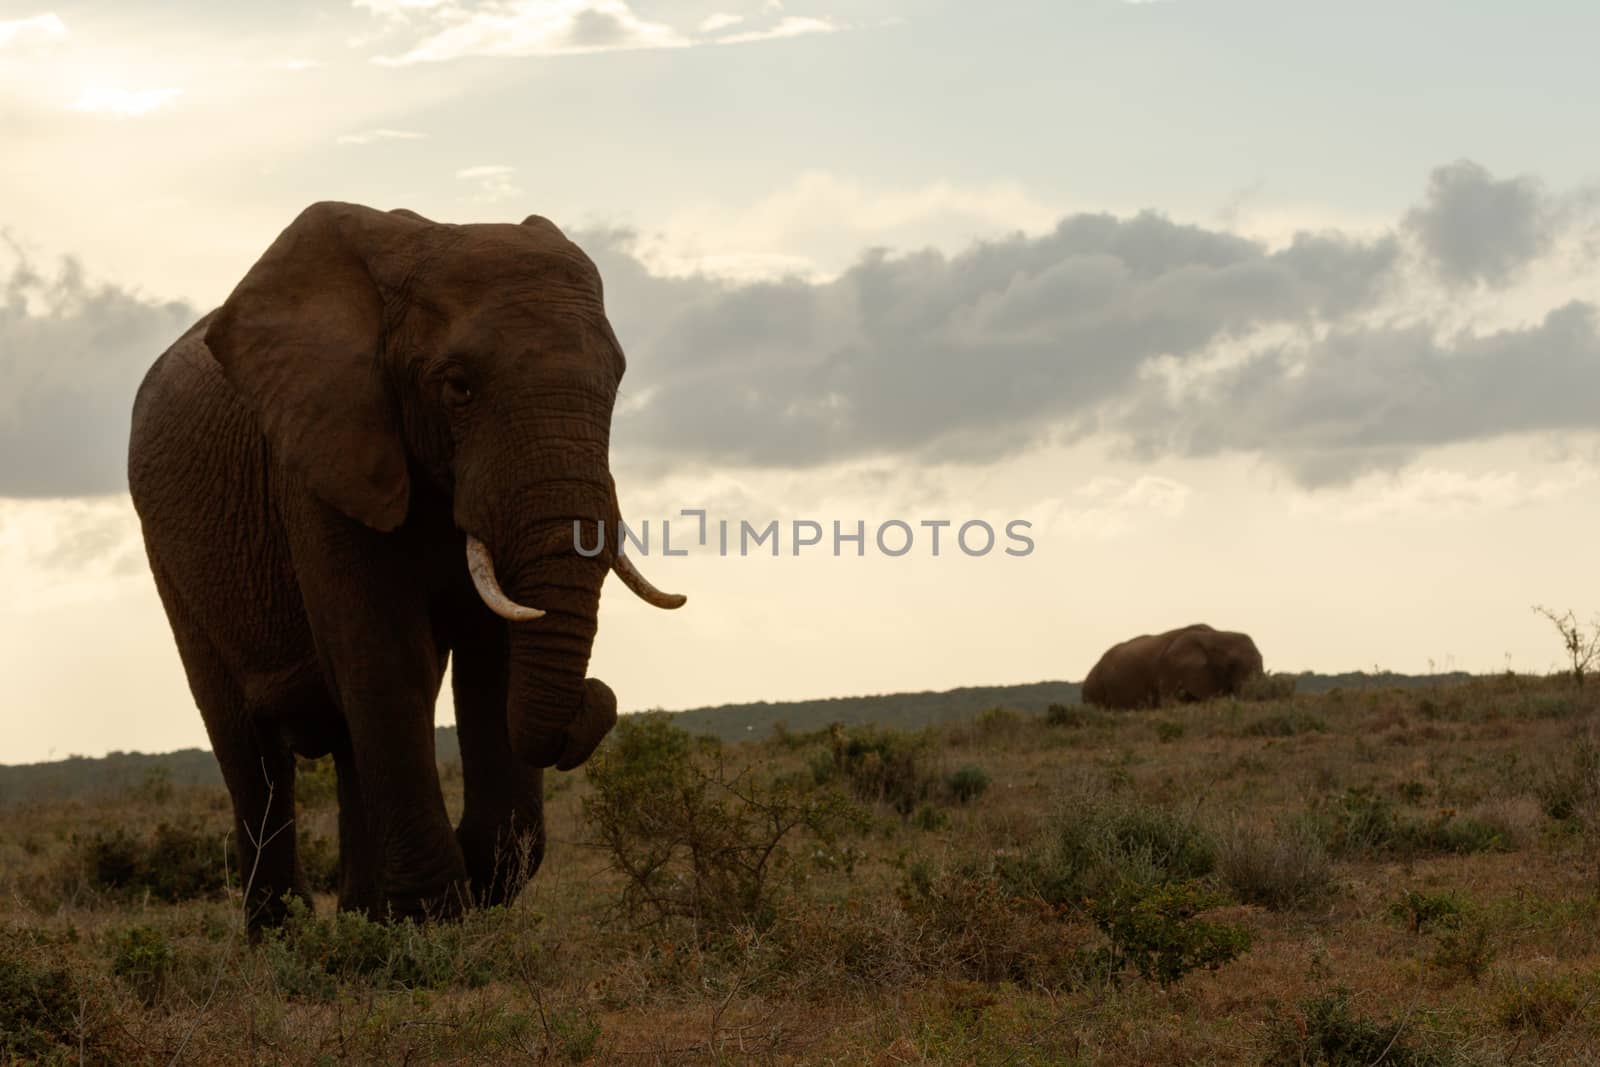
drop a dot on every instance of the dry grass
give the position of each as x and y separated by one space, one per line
945 932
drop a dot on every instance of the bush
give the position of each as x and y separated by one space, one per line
1464 948
39 1008
1326 1032
1093 846
998 724
1286 724
1268 687
1168 730
316 783
1154 927
1424 911
1358 822
694 840
1363 822
966 922
880 766
1275 869
967 783
313 956
142 958
1543 1004
182 861
1071 716
1565 789
319 859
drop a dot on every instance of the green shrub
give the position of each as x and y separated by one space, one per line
1094 845
142 958
1424 911
967 783
1154 927
1285 724
998 724
1363 822
1360 821
1326 1032
1464 949
312 956
179 861
963 921
1070 716
1268 687
316 783
574 1035
1168 730
319 859
880 766
1543 1004
1459 834
930 818
39 1008
1565 788
1275 869
692 839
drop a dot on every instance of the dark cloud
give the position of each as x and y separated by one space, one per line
71 356
1475 228
1372 399
970 356
963 358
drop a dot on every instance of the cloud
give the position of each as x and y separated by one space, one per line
1110 507
1437 492
790 26
296 64
1328 356
32 32
536 28
129 103
493 182
817 224
1363 399
968 357
563 27
372 136
72 354
1476 229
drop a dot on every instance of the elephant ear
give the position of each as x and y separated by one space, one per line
300 339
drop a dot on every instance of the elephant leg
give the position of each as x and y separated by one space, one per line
375 637
359 886
257 769
502 820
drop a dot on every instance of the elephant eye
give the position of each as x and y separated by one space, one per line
457 393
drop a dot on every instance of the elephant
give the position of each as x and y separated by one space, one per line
1192 663
378 456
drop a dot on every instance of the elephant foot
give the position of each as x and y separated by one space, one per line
500 859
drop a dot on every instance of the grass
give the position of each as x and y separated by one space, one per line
1367 875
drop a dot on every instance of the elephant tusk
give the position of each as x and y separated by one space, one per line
481 566
641 585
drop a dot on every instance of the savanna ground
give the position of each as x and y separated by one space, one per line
1357 877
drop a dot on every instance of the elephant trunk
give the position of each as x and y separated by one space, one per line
556 716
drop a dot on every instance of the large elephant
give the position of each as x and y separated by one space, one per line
376 455
1192 663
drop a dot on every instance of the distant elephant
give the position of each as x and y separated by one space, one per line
1194 663
377 454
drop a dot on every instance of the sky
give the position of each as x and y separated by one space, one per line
1277 316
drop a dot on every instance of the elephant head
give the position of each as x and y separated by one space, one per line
391 359
1199 663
